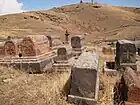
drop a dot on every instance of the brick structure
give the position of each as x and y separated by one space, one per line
77 43
127 90
125 54
84 80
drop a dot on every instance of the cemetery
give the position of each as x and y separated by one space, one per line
41 53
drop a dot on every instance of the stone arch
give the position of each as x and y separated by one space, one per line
10 48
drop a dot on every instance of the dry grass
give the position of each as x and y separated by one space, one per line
106 87
19 88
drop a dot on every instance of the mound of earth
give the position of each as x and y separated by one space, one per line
97 20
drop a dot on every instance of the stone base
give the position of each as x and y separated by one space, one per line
29 65
81 100
62 66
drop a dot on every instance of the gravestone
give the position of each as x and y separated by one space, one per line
127 89
125 54
64 54
30 53
34 45
84 80
77 43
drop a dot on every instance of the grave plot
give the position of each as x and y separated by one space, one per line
32 53
127 89
125 54
84 80
78 44
64 54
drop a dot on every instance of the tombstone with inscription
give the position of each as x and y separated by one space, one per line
84 80
77 43
125 54
64 53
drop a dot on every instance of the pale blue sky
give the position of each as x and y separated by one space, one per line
47 4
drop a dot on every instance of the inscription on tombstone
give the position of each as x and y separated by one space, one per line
125 52
63 54
10 48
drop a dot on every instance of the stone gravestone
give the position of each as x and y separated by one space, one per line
84 80
64 53
127 89
125 54
77 43
32 53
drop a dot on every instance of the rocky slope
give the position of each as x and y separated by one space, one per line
97 20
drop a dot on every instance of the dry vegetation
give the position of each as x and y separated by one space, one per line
20 88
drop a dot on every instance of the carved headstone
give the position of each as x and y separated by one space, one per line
84 80
125 53
64 53
34 45
77 43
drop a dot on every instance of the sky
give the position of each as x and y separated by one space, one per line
16 6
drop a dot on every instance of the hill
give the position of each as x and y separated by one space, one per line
97 20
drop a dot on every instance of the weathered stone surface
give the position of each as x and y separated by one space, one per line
84 80
109 68
125 52
28 65
2 52
64 53
54 40
77 42
128 88
11 47
34 45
